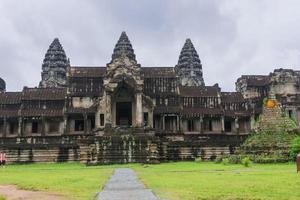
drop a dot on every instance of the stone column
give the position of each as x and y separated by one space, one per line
236 124
43 126
65 129
97 120
20 127
108 114
252 122
139 110
4 126
163 123
150 119
85 124
222 124
177 121
201 124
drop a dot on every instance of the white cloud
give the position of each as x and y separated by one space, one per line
232 37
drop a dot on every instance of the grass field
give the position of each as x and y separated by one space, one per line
195 181
174 181
71 179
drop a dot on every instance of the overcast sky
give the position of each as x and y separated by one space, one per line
232 37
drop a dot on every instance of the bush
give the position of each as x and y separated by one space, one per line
234 159
295 148
225 161
246 162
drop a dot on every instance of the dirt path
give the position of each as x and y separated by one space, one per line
11 192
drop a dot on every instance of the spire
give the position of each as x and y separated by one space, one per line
2 85
54 66
123 47
189 66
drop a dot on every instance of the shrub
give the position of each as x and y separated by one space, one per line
234 159
295 148
246 162
225 161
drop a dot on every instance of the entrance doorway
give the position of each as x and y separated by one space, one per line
124 113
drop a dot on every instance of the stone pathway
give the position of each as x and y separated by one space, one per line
124 185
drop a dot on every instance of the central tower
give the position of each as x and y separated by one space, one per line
123 87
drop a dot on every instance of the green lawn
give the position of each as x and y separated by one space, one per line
172 181
195 181
74 180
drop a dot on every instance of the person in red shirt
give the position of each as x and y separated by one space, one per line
1 154
3 159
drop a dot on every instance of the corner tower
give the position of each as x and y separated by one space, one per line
2 85
54 67
189 67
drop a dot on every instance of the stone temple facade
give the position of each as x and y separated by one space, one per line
124 112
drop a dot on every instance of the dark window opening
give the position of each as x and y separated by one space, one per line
190 125
12 128
53 127
210 126
34 127
145 119
101 119
170 123
290 113
227 126
93 123
79 125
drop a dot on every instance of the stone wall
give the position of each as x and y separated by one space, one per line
119 148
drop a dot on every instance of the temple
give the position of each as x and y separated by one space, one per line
124 112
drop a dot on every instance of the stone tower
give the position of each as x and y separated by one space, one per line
2 85
123 87
54 67
189 67
123 46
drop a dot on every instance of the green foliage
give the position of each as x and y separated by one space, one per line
225 161
246 162
265 100
2 198
295 148
234 159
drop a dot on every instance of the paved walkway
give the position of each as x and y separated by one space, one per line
124 185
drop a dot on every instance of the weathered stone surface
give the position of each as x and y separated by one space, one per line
55 66
189 67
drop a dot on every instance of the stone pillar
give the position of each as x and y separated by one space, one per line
65 130
222 124
163 123
43 126
108 114
20 127
178 121
97 120
4 126
85 123
236 124
201 124
252 122
139 110
150 119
